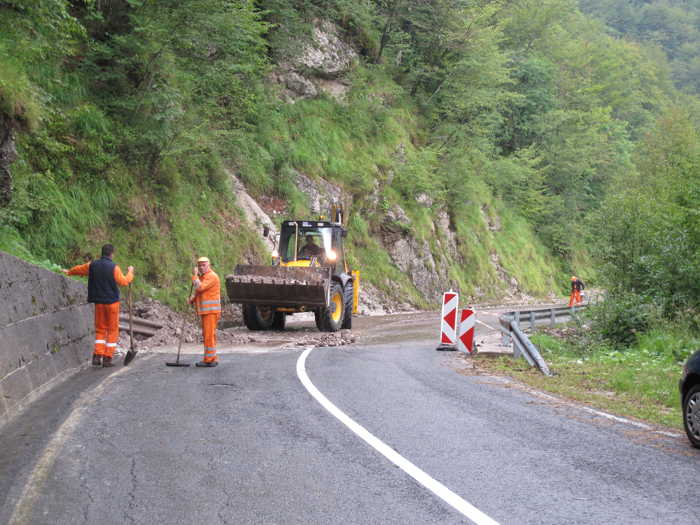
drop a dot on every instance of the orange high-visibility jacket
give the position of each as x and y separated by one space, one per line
119 277
208 295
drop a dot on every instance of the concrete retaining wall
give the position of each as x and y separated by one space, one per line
46 331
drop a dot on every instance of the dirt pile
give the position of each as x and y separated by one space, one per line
343 337
174 323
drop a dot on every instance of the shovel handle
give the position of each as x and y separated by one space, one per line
182 328
131 327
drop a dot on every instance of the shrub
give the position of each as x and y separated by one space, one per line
622 316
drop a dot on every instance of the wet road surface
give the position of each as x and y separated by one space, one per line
246 442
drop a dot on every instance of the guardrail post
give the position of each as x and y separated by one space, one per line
530 351
532 319
552 317
517 318
505 339
517 353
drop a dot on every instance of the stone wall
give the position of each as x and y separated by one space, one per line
45 331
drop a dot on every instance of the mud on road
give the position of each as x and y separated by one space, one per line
300 332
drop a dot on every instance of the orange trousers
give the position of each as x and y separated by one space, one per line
106 328
575 298
209 332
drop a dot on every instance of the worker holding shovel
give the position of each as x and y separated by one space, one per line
104 279
207 298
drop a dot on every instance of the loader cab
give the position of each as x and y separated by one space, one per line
311 243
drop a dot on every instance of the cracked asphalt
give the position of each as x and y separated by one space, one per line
246 443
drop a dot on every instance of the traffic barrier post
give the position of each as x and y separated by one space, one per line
465 338
448 321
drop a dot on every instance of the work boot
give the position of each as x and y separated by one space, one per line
107 362
204 364
96 360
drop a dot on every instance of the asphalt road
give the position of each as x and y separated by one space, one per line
247 442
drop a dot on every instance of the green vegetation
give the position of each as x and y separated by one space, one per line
554 140
532 129
671 26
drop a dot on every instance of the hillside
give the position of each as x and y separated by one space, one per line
470 142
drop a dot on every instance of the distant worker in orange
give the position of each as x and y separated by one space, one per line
577 287
104 279
207 298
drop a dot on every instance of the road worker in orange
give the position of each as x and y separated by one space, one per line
207 298
104 279
577 287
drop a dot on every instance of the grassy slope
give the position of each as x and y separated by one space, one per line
75 190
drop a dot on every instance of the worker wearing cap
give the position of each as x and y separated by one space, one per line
576 287
104 279
207 298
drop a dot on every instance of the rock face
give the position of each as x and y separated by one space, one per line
413 256
254 214
8 154
294 85
319 67
328 56
320 194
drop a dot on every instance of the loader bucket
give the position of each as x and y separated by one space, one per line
279 285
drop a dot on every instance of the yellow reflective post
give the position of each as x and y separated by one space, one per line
355 290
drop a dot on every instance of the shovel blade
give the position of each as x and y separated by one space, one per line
129 356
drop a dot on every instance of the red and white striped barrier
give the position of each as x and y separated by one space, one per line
465 334
448 322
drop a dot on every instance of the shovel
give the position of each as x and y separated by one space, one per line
182 335
132 351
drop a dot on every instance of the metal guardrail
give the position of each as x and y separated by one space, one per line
512 329
528 319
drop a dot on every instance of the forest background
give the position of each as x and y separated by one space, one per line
573 126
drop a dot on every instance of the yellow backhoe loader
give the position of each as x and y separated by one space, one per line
309 273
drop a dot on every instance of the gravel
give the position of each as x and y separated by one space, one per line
187 323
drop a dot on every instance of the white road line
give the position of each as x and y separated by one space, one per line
409 468
487 325
606 415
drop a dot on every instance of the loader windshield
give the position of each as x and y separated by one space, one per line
306 240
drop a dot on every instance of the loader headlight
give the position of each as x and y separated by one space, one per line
331 255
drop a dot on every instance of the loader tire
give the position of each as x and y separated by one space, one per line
280 321
257 318
331 318
348 298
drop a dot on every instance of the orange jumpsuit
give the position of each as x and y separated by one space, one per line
208 301
106 315
575 297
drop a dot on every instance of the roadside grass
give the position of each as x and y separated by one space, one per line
639 382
